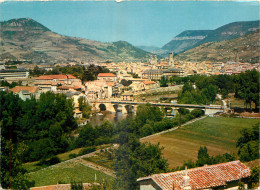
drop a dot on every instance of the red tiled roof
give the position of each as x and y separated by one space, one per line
110 83
44 77
31 89
148 82
202 177
71 77
51 77
106 75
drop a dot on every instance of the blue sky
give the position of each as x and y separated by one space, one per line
140 23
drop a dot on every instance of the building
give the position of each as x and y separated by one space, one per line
77 113
59 79
26 92
152 74
99 89
127 96
45 86
14 73
2 66
150 85
219 176
108 77
171 61
173 72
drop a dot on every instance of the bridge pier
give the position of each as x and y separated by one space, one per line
124 110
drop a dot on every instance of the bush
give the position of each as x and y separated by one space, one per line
254 178
53 160
146 130
183 111
87 150
72 156
197 113
77 186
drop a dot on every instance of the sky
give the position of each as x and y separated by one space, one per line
150 23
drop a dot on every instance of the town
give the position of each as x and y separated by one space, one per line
154 95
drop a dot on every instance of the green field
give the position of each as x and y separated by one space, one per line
66 173
217 133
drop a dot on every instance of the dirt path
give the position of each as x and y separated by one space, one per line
92 165
96 167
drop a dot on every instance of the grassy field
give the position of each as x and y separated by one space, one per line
217 133
102 159
32 167
66 173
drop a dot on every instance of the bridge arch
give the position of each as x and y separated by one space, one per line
102 107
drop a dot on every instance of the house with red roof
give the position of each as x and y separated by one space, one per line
219 176
99 89
26 92
61 79
58 82
150 85
108 77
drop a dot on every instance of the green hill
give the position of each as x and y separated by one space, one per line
185 40
27 39
245 47
230 31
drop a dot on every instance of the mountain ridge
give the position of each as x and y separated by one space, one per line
25 38
185 40
192 38
244 49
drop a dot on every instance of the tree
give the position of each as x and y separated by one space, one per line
163 82
187 87
12 173
86 136
126 82
248 144
248 87
254 178
135 159
42 124
92 71
84 106
203 156
147 112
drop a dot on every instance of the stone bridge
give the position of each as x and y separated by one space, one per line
131 107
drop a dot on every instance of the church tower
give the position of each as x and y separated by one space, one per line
171 62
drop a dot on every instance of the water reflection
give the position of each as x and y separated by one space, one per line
112 117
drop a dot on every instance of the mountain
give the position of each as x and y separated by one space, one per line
155 50
193 38
27 39
185 40
149 48
245 48
230 31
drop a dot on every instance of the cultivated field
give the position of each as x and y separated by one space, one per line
67 173
217 133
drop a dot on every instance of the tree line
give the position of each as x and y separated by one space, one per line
245 86
37 130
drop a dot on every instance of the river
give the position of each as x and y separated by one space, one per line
112 117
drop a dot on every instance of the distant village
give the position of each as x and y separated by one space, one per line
143 77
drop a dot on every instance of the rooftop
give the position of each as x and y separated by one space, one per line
152 71
51 77
31 89
202 177
148 82
106 75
